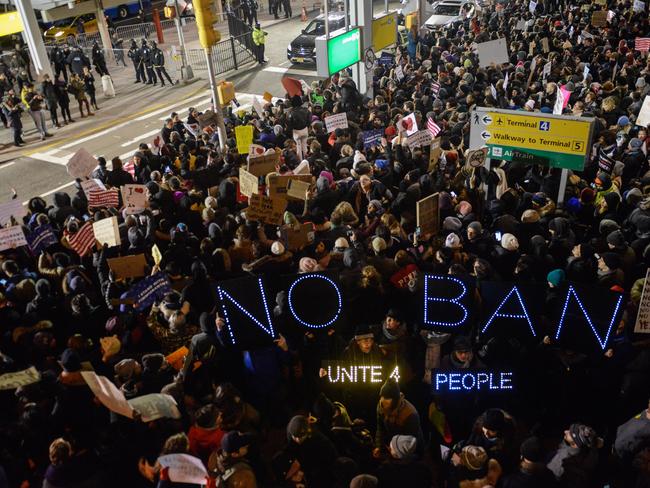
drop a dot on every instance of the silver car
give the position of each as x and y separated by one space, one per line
451 11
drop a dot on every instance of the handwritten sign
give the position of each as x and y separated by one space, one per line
428 215
81 164
265 209
134 198
248 183
297 188
492 52
297 239
107 393
644 114
11 381
107 232
419 139
12 208
372 138
128 266
12 237
278 185
336 121
434 153
642 325
155 406
599 18
244 137
156 254
184 468
262 165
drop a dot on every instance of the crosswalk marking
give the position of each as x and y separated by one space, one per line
291 71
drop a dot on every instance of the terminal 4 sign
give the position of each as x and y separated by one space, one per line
563 141
342 49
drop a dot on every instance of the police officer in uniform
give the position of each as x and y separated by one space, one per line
77 60
138 65
58 59
158 59
145 52
98 60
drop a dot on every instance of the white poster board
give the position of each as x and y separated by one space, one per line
184 468
644 114
155 406
81 164
12 237
12 207
107 232
492 52
134 198
11 381
336 121
107 393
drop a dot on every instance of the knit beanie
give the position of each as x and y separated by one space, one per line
616 239
509 242
364 481
277 248
611 259
556 277
403 446
358 156
298 426
494 420
476 227
452 223
584 436
452 241
531 450
390 389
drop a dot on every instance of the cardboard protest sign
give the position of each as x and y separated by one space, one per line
545 45
107 393
128 266
532 6
386 59
248 183
12 208
12 237
428 215
336 121
41 238
278 185
177 358
184 468
265 209
256 150
408 124
156 254
267 97
599 18
135 198
155 406
492 52
292 86
419 139
92 184
297 239
297 188
257 106
262 165
244 137
11 381
303 168
547 69
644 114
642 325
81 164
372 138
434 153
107 232
208 118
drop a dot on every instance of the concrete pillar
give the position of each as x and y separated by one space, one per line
361 15
34 38
103 31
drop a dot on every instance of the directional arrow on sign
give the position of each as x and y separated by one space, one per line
487 119
485 135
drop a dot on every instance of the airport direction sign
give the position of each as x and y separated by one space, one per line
562 140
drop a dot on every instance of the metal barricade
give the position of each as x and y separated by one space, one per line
136 31
227 55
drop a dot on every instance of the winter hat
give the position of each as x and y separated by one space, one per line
277 248
70 361
509 242
210 202
153 362
453 241
530 216
611 259
364 481
403 446
378 245
635 143
494 420
233 441
298 426
531 450
390 389
363 331
462 344
584 436
623 120
607 226
587 195
341 243
464 208
452 223
307 265
476 227
616 239
473 458
358 156
556 277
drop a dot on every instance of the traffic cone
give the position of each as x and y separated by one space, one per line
303 13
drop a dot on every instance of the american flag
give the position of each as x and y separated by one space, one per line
642 44
83 240
435 88
103 198
129 167
433 127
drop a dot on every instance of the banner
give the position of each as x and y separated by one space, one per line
386 59
81 164
642 325
155 406
492 52
107 393
372 138
41 238
244 138
248 183
103 198
11 381
107 232
184 468
150 289
128 266
134 198
12 208
266 210
12 237
336 121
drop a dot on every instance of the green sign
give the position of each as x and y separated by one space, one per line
534 156
343 50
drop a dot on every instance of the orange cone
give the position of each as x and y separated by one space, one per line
303 13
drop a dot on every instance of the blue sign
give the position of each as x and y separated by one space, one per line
386 59
466 381
41 238
146 292
372 138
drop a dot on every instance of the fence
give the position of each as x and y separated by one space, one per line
230 54
241 30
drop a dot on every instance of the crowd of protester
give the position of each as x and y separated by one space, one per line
267 416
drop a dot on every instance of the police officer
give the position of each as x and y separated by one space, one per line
58 60
251 7
118 49
77 60
138 65
98 60
145 52
158 59
259 38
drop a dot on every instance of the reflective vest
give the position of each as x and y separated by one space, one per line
258 36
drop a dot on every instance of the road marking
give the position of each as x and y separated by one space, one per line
48 193
168 109
7 165
50 158
182 113
289 71
285 63
143 136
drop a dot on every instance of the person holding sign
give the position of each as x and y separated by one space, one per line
298 119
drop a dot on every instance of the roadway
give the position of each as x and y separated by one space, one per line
135 115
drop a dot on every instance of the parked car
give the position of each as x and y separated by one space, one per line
64 30
301 49
451 11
